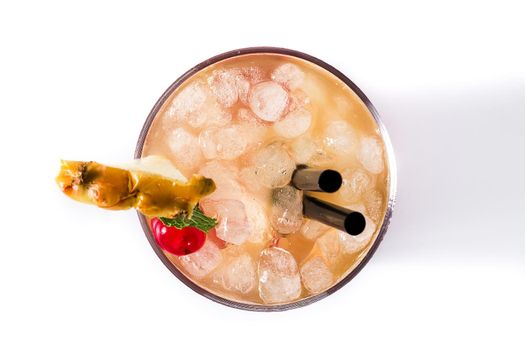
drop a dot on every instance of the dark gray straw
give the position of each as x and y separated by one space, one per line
333 215
326 180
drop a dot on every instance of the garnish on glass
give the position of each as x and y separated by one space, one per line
154 187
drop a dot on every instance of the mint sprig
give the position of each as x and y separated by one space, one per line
198 220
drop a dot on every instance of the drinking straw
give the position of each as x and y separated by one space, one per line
333 215
320 180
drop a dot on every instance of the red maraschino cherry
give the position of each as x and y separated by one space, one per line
177 241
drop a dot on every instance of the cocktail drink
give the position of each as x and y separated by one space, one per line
248 120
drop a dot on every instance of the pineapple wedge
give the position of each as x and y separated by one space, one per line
152 185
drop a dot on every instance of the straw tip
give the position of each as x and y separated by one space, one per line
330 181
355 223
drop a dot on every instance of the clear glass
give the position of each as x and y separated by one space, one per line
389 157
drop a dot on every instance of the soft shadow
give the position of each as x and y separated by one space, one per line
461 171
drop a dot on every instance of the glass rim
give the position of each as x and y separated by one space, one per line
392 171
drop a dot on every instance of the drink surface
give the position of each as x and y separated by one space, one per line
247 122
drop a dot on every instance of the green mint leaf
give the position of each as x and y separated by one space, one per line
197 220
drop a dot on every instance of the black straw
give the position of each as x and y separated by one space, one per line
333 215
317 180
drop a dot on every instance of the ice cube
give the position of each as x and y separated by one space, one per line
232 142
316 275
303 149
371 154
298 99
268 100
185 150
223 143
289 75
210 114
312 229
279 279
203 261
287 210
294 123
329 246
253 130
196 106
307 151
257 219
247 116
196 119
356 181
242 84
225 177
188 100
254 74
237 274
343 105
339 137
223 83
250 181
273 165
373 200
233 225
351 244
247 77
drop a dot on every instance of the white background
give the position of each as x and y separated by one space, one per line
78 80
